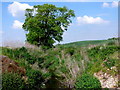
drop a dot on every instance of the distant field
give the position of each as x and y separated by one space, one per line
89 42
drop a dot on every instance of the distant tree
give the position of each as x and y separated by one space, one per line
46 23
113 38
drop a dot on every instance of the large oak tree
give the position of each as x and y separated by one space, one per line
46 23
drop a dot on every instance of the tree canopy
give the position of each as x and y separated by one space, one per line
46 23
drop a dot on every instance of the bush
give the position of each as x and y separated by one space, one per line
12 81
40 61
111 43
102 52
20 53
87 81
35 79
110 63
70 50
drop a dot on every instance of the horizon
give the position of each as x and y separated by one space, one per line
22 44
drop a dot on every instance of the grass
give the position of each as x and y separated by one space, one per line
87 43
0 50
68 61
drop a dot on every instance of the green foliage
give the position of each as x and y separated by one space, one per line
64 69
12 81
100 58
87 43
70 50
113 38
45 26
0 50
51 63
111 43
87 81
35 79
102 52
20 53
94 66
40 61
109 63
58 64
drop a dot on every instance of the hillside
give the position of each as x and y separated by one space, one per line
84 64
89 42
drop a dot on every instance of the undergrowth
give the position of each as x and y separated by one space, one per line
62 65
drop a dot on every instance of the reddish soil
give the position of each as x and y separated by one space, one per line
9 65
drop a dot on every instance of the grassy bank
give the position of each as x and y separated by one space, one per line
64 65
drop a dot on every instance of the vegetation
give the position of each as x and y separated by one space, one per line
35 79
88 81
89 42
12 81
70 65
101 59
64 66
46 23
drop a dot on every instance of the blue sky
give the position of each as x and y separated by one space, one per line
93 21
59 0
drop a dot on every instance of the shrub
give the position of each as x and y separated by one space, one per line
22 49
35 79
12 81
97 53
20 53
40 61
70 50
87 81
109 63
111 43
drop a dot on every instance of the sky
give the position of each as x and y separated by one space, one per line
59 0
93 21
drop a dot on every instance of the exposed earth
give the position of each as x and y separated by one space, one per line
9 65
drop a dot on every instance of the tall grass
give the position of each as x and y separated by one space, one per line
63 64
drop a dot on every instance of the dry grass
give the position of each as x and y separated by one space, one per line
73 68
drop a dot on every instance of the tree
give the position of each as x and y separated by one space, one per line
46 23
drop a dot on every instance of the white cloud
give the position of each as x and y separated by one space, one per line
106 5
18 9
17 24
113 4
90 20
